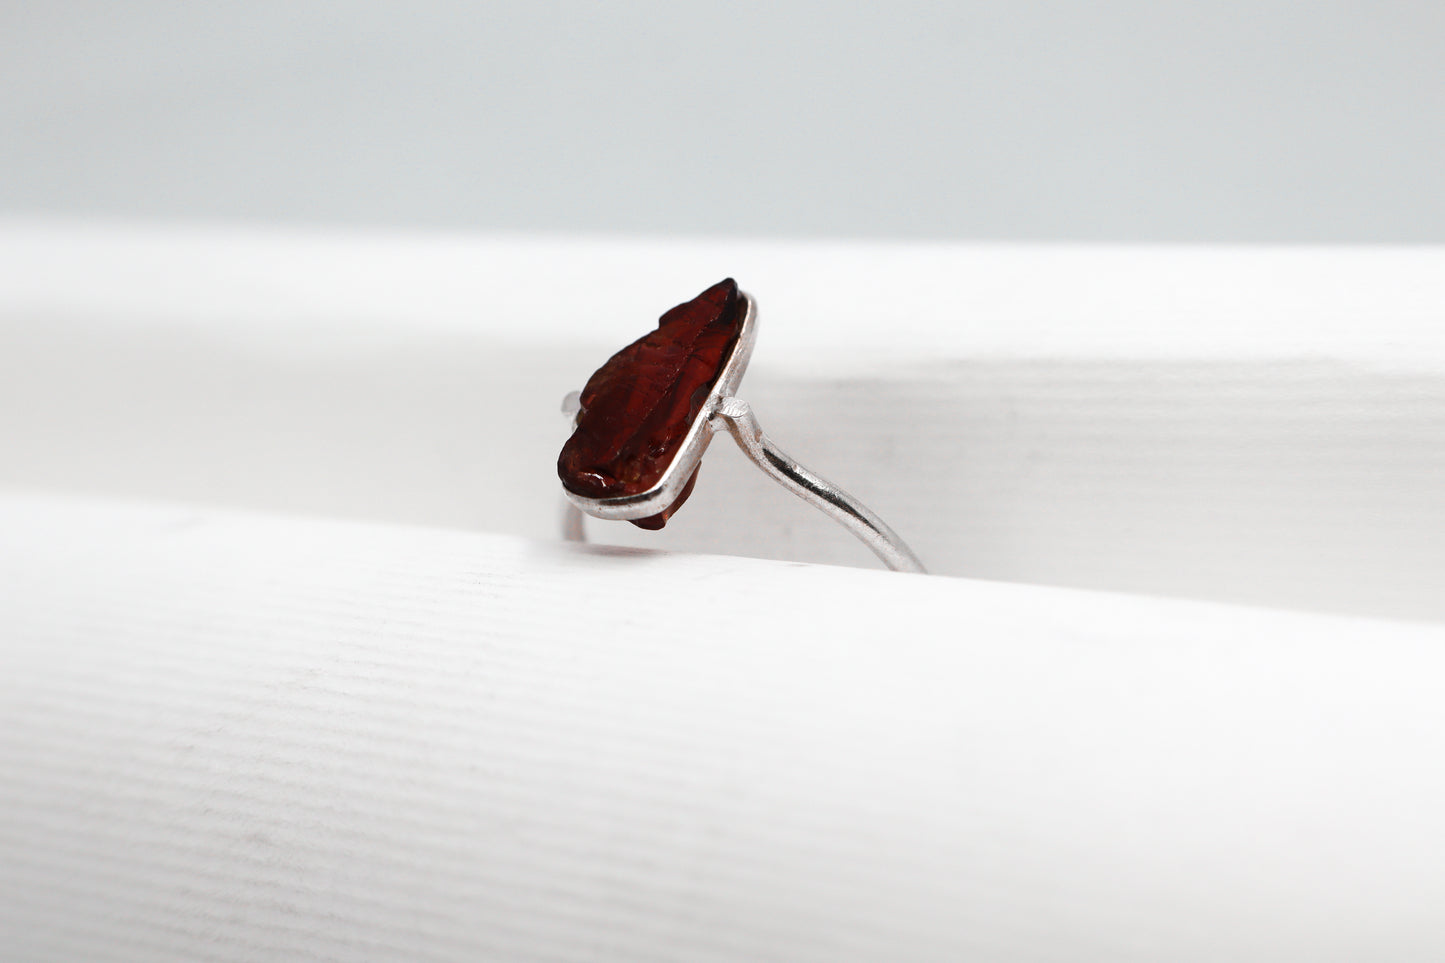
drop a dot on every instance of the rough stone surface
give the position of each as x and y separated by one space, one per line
637 408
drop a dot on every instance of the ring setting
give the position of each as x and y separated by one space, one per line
644 419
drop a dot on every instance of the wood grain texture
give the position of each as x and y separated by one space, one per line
241 737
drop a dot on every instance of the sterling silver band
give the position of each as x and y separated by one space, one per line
725 412
736 416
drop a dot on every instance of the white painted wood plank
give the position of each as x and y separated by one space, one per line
1261 425
240 737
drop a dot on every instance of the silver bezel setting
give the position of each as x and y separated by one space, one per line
662 495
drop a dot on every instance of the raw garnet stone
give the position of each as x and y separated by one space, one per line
638 407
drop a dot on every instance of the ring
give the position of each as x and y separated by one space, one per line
644 419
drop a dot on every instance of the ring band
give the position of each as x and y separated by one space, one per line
644 419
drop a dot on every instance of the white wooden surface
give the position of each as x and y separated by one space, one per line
233 730
246 737
1262 425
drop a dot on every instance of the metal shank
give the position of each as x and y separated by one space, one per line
736 417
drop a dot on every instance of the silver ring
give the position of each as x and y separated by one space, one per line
644 419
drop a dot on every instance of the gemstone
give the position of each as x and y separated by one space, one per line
637 408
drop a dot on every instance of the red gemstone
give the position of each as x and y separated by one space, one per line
637 409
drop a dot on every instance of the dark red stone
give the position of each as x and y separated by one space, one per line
637 408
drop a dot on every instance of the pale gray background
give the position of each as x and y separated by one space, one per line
1122 120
